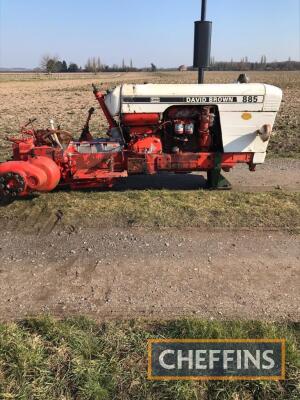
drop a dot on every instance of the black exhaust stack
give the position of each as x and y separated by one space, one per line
202 43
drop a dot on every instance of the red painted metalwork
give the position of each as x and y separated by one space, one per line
46 158
205 137
140 119
148 144
50 168
34 177
184 162
43 167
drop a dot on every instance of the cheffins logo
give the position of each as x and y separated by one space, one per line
219 359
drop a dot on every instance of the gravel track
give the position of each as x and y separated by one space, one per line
140 273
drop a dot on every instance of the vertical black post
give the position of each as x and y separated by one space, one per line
202 46
202 43
200 75
203 10
203 18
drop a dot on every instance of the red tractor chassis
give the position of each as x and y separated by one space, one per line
45 159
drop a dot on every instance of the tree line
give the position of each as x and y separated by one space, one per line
51 64
94 64
263 65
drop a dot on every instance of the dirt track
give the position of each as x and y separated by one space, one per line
137 273
274 174
167 273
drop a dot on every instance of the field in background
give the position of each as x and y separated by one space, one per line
47 359
67 97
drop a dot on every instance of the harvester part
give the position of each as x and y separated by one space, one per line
33 176
11 185
52 171
85 133
140 119
215 180
38 174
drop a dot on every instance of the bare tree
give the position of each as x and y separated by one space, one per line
263 60
99 65
88 65
44 61
48 63
94 65
153 67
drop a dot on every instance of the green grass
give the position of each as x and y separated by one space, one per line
79 359
159 208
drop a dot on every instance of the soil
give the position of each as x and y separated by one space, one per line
140 273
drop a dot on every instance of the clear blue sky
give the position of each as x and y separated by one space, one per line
159 31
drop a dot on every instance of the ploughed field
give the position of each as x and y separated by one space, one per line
67 97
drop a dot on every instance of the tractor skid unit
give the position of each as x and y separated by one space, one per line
177 128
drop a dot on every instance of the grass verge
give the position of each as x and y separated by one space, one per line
78 359
160 208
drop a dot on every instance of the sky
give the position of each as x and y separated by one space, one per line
158 31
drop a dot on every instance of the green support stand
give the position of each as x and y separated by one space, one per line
215 180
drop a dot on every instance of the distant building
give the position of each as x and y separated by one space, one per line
182 68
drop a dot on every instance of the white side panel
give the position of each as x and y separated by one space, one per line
273 98
241 136
223 89
259 158
149 98
160 108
